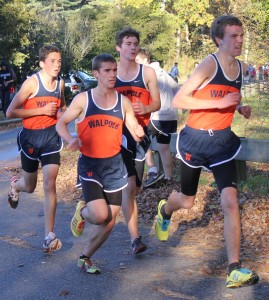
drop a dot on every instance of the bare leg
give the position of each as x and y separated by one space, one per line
167 159
232 226
27 182
129 207
99 233
176 201
150 159
50 173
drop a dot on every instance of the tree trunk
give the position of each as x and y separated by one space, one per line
178 43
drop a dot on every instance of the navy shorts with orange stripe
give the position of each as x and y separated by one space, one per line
109 173
202 148
35 143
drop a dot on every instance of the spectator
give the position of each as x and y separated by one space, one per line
7 80
174 73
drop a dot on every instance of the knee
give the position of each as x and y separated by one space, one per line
30 188
229 202
131 189
100 218
189 202
229 205
49 186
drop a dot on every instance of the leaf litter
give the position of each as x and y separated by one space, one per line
200 227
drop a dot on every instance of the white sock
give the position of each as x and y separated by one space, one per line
51 236
153 170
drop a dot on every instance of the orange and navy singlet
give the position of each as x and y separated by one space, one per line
40 99
100 131
134 90
217 88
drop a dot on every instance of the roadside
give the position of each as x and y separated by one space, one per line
4 122
171 270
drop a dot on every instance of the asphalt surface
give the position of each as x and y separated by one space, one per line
170 270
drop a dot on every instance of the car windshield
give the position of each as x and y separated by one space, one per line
85 75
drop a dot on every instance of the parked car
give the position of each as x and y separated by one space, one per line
88 80
73 83
79 81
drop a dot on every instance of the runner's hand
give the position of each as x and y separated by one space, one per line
244 110
139 131
73 144
50 109
231 99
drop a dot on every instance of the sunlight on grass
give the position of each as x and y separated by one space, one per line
257 127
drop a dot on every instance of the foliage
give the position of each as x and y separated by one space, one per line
257 126
14 18
171 30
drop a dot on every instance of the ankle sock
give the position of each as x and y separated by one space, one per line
233 266
153 170
165 216
83 256
50 236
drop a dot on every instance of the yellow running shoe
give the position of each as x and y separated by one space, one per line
77 223
86 265
162 225
241 277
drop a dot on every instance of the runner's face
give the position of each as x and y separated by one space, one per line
52 64
107 74
232 41
129 48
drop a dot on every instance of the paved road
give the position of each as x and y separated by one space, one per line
8 144
169 270
165 271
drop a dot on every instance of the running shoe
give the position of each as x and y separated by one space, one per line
153 178
138 246
77 222
51 243
86 265
162 225
241 277
13 197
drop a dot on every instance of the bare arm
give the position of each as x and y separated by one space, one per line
244 110
152 84
63 104
75 110
202 74
131 123
28 89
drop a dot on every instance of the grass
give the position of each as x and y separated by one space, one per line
257 127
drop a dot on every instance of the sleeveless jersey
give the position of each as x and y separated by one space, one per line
40 99
218 87
134 90
100 131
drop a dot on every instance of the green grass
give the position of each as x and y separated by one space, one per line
257 127
257 185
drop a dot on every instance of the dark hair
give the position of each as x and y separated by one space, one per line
46 50
3 63
99 59
219 24
144 53
126 32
